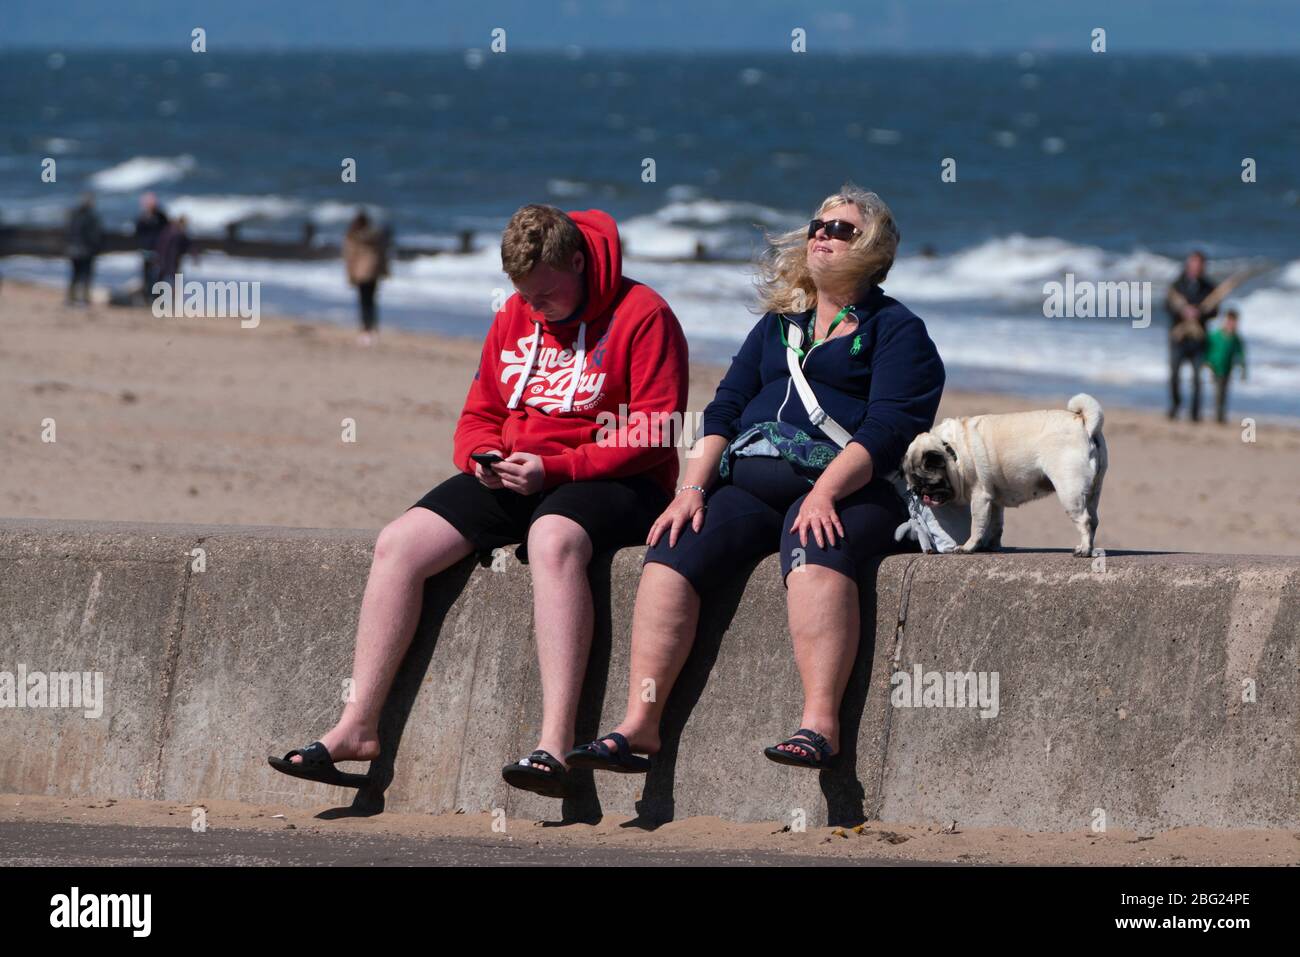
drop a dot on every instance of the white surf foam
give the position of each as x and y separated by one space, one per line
982 305
210 214
1013 269
675 230
141 171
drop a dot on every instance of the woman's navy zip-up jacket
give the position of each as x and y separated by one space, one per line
884 391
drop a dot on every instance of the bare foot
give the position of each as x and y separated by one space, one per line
556 752
801 750
348 743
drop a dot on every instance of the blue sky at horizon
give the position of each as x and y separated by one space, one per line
1190 26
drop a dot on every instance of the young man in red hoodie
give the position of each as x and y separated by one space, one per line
578 339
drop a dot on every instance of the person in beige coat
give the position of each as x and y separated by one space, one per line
365 253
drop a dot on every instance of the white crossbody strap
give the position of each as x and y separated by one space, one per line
816 415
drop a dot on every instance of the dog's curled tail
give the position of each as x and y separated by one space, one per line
1090 409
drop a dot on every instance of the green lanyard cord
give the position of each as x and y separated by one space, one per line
812 326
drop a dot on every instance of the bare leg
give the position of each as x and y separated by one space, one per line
824 626
409 550
558 553
663 630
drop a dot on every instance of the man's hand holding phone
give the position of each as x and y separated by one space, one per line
483 468
521 472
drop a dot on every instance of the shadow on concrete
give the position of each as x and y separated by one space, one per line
582 806
440 592
1110 552
845 794
717 610
656 806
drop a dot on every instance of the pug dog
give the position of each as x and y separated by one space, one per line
994 462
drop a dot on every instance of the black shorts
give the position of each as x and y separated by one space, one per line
613 512
750 516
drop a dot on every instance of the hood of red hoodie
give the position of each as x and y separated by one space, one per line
546 394
603 272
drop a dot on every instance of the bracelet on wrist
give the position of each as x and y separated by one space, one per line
683 488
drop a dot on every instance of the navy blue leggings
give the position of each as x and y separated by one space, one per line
750 516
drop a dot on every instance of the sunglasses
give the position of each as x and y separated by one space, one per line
840 229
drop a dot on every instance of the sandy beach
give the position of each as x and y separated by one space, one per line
201 421
869 842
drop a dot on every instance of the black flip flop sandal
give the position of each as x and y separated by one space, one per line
598 756
553 783
814 751
317 765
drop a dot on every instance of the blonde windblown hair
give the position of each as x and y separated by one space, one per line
785 283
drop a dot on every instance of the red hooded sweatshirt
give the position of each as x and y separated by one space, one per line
552 388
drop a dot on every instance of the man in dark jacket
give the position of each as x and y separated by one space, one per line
147 230
1187 324
173 244
85 241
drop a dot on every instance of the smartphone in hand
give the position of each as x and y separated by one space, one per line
486 459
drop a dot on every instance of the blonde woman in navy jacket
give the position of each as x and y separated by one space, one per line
765 478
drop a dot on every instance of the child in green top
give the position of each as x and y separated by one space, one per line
1224 348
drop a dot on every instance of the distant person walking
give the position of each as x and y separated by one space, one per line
173 244
85 242
1225 349
148 227
365 254
1187 322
